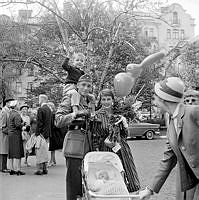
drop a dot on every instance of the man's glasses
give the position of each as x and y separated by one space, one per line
190 100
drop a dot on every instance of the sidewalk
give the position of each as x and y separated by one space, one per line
32 187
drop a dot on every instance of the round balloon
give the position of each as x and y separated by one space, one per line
123 83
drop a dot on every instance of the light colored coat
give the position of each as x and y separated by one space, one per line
182 148
41 148
4 114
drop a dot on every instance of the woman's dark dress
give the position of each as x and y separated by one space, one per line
14 135
124 153
57 136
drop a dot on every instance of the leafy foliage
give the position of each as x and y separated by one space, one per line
190 70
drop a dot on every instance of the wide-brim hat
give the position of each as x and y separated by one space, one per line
192 93
13 103
170 89
8 99
24 105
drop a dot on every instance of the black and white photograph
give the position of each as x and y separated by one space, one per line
99 99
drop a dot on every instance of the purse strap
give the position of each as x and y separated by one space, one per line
87 129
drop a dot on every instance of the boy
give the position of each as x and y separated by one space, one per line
74 72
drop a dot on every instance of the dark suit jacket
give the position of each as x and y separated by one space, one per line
184 149
44 121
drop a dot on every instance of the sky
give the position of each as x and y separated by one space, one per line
191 7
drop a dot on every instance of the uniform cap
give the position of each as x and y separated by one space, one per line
86 78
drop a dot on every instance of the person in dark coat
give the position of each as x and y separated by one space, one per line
44 121
15 142
57 137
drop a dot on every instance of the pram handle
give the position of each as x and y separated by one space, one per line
92 194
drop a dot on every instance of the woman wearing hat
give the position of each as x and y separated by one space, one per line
182 146
25 130
118 132
16 151
77 125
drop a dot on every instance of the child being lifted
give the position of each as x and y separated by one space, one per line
74 72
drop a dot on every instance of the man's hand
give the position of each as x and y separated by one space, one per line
82 113
145 194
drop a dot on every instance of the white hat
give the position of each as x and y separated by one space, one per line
13 103
170 89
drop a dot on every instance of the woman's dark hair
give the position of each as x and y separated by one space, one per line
105 92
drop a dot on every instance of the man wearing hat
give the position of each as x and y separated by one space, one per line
182 146
76 122
4 114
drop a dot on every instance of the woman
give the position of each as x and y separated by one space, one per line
77 126
119 134
57 137
16 151
25 130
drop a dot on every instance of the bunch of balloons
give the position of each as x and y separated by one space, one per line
124 81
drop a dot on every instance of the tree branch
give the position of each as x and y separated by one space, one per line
35 62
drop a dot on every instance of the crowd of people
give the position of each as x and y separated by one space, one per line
80 124
18 126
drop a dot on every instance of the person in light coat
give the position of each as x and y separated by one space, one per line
4 114
182 146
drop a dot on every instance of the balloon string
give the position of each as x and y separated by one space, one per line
136 96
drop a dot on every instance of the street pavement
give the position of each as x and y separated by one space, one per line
147 155
34 187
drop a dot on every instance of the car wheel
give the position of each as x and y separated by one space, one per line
149 135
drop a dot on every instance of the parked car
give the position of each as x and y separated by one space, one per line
143 129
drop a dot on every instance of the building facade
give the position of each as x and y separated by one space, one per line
166 29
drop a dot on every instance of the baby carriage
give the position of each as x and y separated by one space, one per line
102 177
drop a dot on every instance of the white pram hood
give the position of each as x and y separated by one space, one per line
102 157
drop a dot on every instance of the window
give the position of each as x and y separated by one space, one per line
19 71
31 71
168 33
175 34
182 34
30 86
145 33
151 32
175 18
19 87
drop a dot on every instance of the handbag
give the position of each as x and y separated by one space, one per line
113 137
109 142
76 144
25 135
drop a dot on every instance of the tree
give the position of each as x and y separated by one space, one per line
100 29
190 72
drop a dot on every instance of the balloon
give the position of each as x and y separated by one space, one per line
134 70
123 83
152 58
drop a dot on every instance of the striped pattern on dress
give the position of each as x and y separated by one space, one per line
125 154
